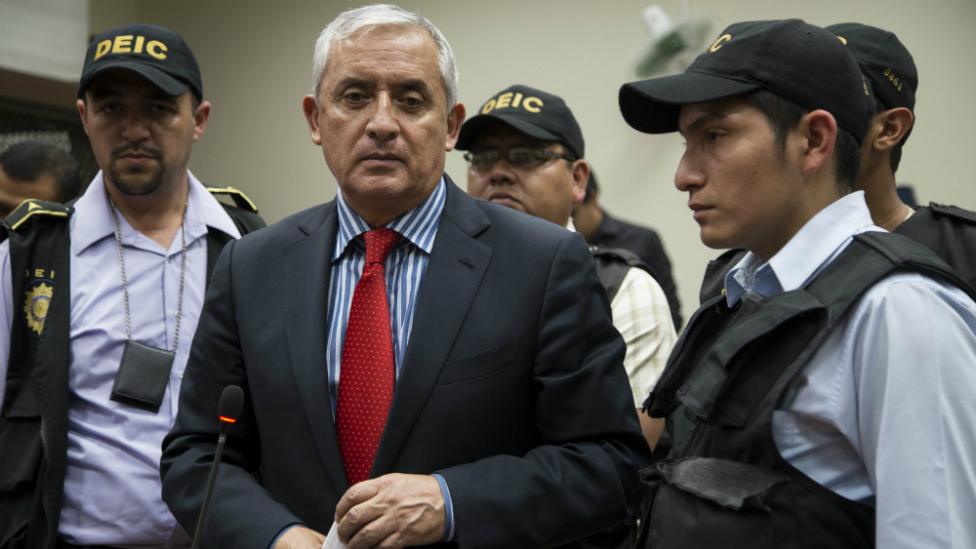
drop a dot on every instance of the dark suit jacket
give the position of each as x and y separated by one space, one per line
512 386
644 242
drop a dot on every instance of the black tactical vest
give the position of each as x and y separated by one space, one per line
33 420
724 484
948 231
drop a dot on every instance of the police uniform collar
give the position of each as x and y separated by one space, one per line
92 220
810 250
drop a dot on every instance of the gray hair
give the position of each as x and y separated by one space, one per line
350 21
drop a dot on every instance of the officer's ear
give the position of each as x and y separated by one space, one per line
200 117
82 111
892 126
581 174
817 133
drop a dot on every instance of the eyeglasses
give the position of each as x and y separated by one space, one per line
522 158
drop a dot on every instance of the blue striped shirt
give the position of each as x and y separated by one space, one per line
405 267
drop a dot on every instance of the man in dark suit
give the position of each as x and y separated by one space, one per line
477 397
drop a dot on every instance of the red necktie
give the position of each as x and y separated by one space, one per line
367 370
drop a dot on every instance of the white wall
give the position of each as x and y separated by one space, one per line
256 63
64 28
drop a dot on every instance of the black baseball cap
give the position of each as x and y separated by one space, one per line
533 112
155 53
885 62
802 63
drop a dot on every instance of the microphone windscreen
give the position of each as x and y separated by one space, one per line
231 402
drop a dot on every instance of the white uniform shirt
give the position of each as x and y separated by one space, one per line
112 486
885 411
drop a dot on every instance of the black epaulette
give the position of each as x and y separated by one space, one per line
954 212
32 208
240 199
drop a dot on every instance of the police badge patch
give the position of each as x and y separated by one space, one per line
36 306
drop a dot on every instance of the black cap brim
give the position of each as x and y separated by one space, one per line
169 84
472 128
652 106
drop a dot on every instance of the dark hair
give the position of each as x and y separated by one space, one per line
30 160
783 115
591 187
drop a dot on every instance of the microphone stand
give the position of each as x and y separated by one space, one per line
231 401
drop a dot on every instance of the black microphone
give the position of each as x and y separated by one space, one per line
229 408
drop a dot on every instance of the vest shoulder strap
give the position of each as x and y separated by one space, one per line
954 212
612 265
871 257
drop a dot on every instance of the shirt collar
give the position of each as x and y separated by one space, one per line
92 219
418 226
811 249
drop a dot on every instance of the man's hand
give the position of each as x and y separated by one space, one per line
300 537
393 510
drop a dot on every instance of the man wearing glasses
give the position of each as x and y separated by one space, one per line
525 151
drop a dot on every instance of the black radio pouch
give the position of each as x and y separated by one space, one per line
143 376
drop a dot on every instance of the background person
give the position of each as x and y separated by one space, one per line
36 169
601 229
528 154
888 66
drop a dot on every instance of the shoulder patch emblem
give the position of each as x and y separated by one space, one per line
36 306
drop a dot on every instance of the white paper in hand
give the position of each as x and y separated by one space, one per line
332 540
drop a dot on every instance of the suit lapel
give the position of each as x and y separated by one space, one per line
457 264
308 266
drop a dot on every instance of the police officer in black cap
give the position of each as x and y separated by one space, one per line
948 230
525 151
98 304
807 405
889 68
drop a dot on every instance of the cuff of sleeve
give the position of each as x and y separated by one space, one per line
448 508
281 533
